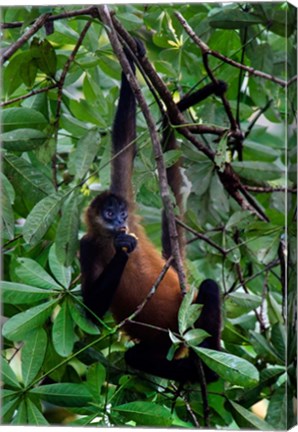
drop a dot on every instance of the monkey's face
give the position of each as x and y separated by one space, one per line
114 214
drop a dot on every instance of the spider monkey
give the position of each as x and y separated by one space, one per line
119 268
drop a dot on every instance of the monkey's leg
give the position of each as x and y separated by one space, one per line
210 320
149 359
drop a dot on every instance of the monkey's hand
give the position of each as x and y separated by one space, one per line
125 242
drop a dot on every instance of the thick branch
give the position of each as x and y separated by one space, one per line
8 52
205 49
166 198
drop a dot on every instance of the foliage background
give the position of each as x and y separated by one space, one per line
58 108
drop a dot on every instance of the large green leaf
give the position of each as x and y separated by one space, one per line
41 218
23 140
79 316
45 56
231 368
61 273
33 353
7 212
81 159
8 375
64 394
17 327
17 293
30 272
25 176
246 419
63 335
34 415
258 171
18 118
231 18
95 378
188 312
67 241
145 413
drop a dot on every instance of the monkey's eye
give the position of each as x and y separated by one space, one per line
124 215
109 214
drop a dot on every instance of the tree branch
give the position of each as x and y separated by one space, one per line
92 10
202 237
8 52
205 49
149 295
164 189
28 95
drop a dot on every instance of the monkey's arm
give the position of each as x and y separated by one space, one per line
98 293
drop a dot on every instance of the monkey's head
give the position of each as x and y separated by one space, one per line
107 214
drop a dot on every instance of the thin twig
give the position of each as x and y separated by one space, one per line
201 237
256 118
87 11
164 189
8 52
188 406
205 48
28 95
149 295
261 189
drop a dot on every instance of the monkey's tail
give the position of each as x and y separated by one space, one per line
124 135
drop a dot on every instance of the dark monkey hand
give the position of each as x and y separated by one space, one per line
125 242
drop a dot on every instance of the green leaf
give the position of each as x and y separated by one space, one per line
17 293
7 213
41 218
231 18
195 336
258 171
63 335
221 153
27 176
96 375
231 368
45 56
171 157
17 327
264 348
28 72
246 302
21 415
22 118
64 394
79 316
9 406
61 273
277 409
23 139
33 354
145 413
30 272
246 419
35 417
67 241
86 150
184 311
8 375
